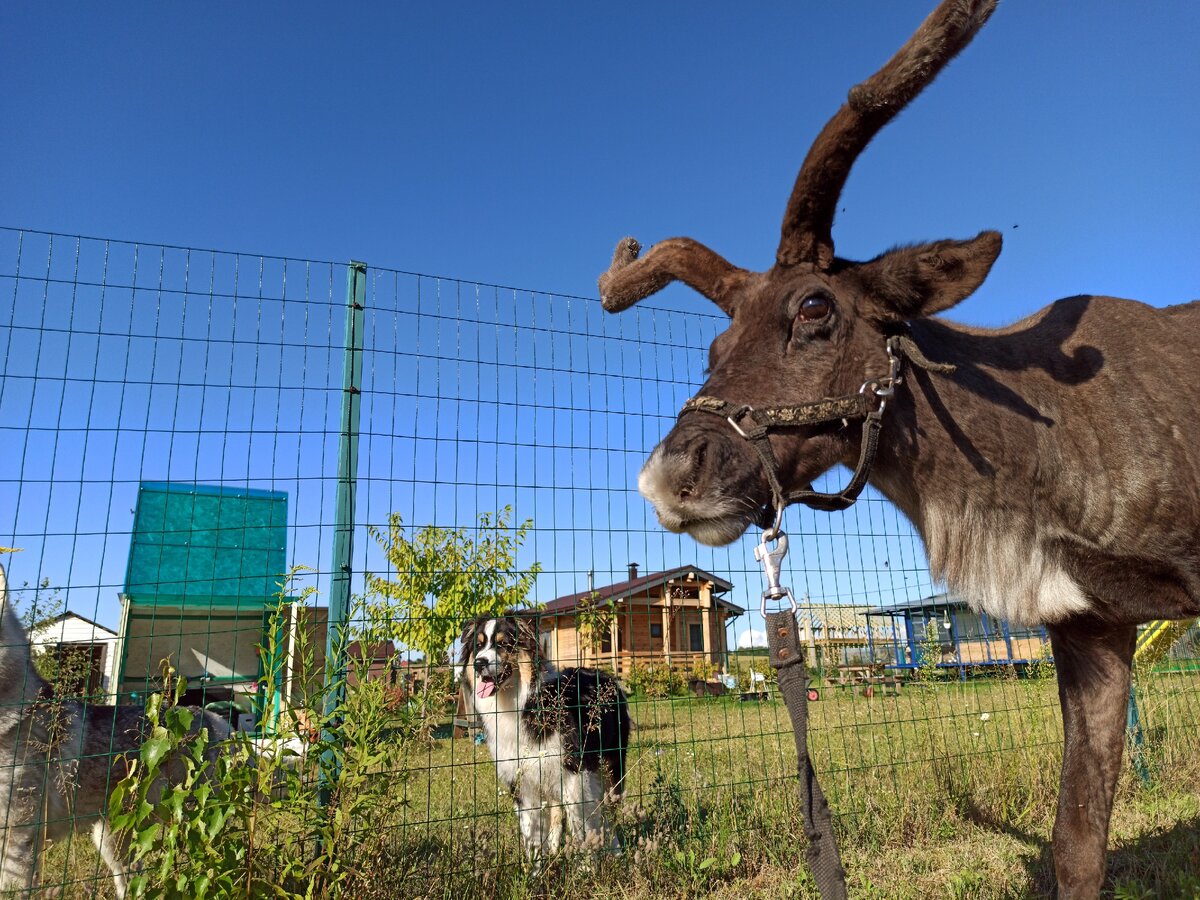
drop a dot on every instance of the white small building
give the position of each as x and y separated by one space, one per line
72 635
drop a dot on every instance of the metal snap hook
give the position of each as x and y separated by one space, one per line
772 561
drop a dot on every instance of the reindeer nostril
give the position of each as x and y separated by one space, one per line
699 457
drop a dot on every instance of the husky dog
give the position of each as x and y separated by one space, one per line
555 735
60 760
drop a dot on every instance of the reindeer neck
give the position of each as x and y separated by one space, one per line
959 439
17 671
962 455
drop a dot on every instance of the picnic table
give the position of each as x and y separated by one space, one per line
866 677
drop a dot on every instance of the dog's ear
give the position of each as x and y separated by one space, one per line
527 638
466 642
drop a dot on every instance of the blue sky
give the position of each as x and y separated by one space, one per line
514 144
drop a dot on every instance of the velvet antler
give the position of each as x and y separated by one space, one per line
808 223
630 279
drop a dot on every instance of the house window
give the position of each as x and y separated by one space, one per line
696 637
656 630
546 642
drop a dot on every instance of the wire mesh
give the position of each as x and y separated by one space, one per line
501 435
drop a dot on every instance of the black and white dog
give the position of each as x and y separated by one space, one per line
555 735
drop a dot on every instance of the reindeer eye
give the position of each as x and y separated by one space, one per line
815 307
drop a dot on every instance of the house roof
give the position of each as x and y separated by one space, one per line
49 624
934 601
831 615
642 584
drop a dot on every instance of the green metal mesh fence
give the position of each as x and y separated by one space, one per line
172 421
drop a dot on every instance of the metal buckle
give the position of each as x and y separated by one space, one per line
876 390
732 420
883 388
893 378
772 560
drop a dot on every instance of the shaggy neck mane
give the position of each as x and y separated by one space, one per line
977 464
1034 471
16 664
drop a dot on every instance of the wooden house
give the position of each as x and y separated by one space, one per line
381 661
678 617
835 634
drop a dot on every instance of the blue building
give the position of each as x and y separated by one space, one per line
964 638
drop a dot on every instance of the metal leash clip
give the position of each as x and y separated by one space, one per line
772 560
884 388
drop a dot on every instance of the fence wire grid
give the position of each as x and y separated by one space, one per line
177 424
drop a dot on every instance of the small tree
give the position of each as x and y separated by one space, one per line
593 621
931 654
443 577
68 670
45 604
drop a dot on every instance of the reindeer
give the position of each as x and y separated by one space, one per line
1052 467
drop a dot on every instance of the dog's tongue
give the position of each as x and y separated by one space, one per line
485 689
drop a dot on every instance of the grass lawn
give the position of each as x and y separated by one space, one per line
946 791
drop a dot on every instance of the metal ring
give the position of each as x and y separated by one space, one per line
783 592
737 427
772 533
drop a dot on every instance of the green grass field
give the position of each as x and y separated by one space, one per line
945 791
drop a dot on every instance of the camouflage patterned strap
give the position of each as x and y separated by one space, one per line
868 404
748 418
754 424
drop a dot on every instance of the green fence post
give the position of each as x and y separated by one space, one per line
343 538
1135 739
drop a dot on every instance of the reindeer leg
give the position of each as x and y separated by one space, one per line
112 851
19 864
1093 659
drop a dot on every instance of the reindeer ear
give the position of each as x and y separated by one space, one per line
909 282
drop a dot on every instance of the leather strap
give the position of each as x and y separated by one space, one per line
787 657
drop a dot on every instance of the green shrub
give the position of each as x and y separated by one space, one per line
703 669
261 817
187 839
656 679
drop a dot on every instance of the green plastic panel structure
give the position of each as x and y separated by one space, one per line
205 545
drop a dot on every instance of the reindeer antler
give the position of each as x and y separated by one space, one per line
630 279
808 221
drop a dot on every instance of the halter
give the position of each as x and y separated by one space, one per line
868 404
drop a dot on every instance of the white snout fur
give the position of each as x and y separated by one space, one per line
715 519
